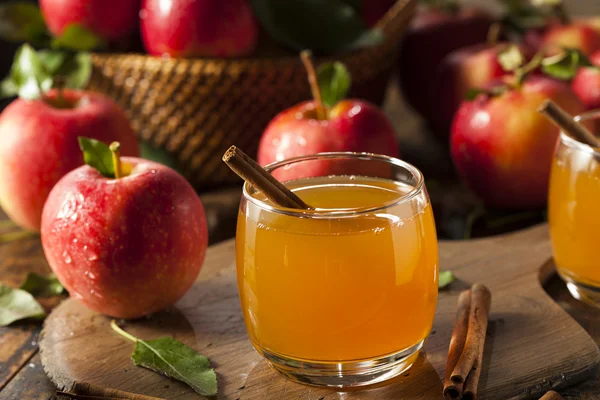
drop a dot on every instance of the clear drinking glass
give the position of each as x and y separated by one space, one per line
345 294
574 215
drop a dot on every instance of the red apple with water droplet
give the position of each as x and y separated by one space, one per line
463 69
38 145
502 147
128 246
198 28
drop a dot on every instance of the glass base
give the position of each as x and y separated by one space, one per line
582 292
344 374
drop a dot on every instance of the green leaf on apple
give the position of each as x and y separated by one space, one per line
511 58
445 278
42 286
79 38
334 82
324 26
174 359
17 304
23 22
565 65
97 155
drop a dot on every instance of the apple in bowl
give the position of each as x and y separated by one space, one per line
329 123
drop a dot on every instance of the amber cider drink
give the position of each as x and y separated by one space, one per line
573 215
345 294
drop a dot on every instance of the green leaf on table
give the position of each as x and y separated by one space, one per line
445 278
23 22
97 155
42 286
78 37
161 156
28 75
565 65
334 82
174 359
511 58
324 26
17 304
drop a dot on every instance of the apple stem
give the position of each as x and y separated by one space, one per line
494 34
117 328
115 149
314 84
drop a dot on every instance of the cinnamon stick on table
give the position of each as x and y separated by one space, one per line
457 344
465 371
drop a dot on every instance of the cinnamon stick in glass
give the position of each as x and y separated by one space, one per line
250 171
566 122
454 391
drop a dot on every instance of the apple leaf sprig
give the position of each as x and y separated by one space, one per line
23 22
174 359
562 66
323 26
20 303
445 278
34 73
329 84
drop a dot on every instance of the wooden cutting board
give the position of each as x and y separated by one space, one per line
532 344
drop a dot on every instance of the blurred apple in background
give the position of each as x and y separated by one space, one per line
110 19
582 34
198 28
586 84
503 148
469 67
338 125
39 130
125 246
433 34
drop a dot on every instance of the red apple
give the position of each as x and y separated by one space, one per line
198 28
503 148
586 84
352 125
433 34
38 145
125 247
109 19
470 67
582 35
371 11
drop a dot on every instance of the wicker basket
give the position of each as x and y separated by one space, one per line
197 108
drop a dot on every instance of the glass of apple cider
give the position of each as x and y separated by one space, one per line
343 294
573 213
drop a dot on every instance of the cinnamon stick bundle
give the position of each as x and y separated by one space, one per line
465 354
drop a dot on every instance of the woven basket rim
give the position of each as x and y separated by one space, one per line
402 8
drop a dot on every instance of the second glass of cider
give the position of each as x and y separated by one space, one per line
343 294
573 213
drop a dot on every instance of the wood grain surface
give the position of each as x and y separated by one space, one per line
532 344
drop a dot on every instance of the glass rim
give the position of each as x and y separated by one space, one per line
570 141
340 213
